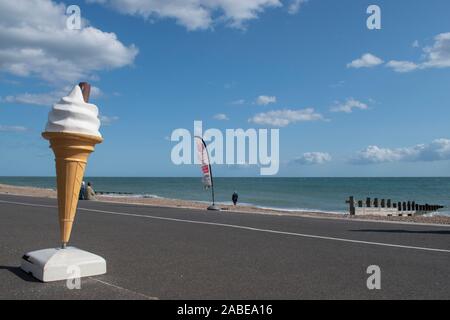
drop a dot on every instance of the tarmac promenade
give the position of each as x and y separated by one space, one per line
167 253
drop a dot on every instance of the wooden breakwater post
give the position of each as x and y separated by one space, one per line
386 207
351 202
112 193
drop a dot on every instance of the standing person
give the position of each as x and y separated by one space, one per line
90 193
82 191
235 197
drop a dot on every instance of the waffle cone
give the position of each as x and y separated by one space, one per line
71 153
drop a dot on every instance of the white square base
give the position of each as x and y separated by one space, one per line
59 264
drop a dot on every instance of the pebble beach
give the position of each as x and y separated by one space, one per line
177 203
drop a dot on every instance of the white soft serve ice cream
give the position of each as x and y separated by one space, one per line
73 115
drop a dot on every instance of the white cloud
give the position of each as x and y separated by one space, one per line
265 100
12 129
375 154
195 14
367 60
106 120
95 92
438 56
310 158
34 41
238 102
230 85
438 149
221 116
295 5
45 99
282 118
38 99
416 44
349 105
402 66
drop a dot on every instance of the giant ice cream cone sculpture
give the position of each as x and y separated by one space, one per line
72 130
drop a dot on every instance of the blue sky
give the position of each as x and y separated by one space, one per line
382 97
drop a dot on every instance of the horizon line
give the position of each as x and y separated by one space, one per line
262 177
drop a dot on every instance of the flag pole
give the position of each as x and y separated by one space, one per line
213 206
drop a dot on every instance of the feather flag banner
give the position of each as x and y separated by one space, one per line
203 158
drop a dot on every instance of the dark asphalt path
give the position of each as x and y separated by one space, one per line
170 253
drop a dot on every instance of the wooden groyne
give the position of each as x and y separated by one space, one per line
112 192
387 207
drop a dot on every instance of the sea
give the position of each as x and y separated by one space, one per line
326 195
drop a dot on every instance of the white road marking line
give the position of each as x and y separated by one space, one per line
243 228
28 204
124 289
